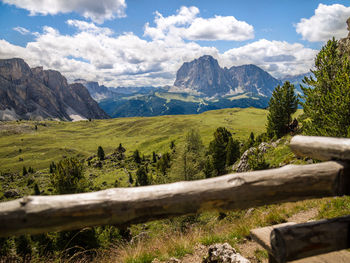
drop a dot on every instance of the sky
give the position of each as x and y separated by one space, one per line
144 42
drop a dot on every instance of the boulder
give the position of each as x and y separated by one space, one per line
223 253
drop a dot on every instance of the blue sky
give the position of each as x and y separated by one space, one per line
139 43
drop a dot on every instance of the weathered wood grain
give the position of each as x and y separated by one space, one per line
321 148
120 206
309 239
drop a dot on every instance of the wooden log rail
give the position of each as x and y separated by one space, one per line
292 242
120 206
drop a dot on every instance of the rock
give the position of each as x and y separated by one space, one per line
11 193
243 165
2 178
223 253
173 260
264 146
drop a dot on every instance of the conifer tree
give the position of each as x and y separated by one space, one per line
24 171
100 153
189 159
217 149
36 189
327 99
282 105
68 177
136 156
142 177
232 151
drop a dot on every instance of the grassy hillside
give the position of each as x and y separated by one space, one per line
22 144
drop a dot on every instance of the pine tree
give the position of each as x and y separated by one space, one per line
136 156
232 151
141 175
327 99
208 168
100 153
282 105
68 177
24 171
217 149
131 180
189 159
36 189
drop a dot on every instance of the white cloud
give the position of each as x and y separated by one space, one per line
22 30
187 25
97 11
279 58
328 21
97 53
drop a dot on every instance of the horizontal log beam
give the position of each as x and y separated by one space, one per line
122 206
321 148
298 241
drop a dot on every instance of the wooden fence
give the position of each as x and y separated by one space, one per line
124 206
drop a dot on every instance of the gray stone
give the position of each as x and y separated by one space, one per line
223 253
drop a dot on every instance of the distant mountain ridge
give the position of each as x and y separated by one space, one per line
204 76
38 94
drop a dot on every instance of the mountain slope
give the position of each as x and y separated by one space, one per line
206 77
27 93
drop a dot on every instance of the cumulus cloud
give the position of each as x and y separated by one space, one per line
96 53
328 21
97 11
279 58
187 25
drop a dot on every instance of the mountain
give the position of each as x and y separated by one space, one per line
38 94
168 103
204 76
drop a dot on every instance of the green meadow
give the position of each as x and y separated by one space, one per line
23 145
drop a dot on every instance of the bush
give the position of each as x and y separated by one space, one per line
100 153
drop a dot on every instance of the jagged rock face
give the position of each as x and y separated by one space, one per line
40 94
204 75
96 91
344 43
253 79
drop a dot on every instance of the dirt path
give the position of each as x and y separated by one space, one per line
247 248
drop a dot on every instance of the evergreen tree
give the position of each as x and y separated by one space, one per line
141 175
172 145
232 151
164 163
209 168
120 148
100 153
131 180
251 140
282 105
68 177
217 149
136 156
24 171
189 159
36 189
327 99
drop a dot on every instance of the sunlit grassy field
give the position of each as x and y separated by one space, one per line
23 145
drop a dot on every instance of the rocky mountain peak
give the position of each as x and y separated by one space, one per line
40 94
205 76
14 69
